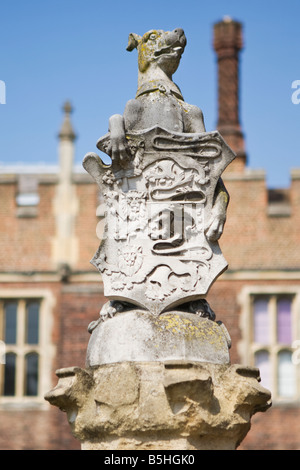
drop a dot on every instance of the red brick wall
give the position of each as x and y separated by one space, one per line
276 429
36 430
25 243
254 240
77 310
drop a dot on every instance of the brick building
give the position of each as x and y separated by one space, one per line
49 292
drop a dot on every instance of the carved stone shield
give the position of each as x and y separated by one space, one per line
154 252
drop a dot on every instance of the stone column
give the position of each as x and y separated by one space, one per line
176 391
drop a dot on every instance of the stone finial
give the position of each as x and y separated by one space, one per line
66 131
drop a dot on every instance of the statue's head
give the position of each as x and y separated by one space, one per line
160 48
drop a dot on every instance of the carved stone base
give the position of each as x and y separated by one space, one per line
159 405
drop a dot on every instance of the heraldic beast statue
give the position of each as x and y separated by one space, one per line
164 196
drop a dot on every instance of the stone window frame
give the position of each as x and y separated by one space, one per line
247 348
45 348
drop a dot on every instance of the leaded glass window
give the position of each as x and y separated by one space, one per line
20 333
273 333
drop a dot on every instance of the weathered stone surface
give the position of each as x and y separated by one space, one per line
170 405
138 335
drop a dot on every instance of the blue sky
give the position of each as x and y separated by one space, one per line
57 50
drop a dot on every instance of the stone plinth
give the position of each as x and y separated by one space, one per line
139 336
159 405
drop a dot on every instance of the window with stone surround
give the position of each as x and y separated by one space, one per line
24 337
27 198
272 322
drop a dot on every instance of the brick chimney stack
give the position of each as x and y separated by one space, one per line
228 42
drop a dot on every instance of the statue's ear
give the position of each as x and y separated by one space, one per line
133 41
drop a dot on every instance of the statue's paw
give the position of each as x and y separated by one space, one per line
215 229
93 325
202 308
108 310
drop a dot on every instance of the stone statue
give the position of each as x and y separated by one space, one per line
158 373
166 202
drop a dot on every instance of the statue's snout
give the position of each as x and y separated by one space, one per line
177 35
